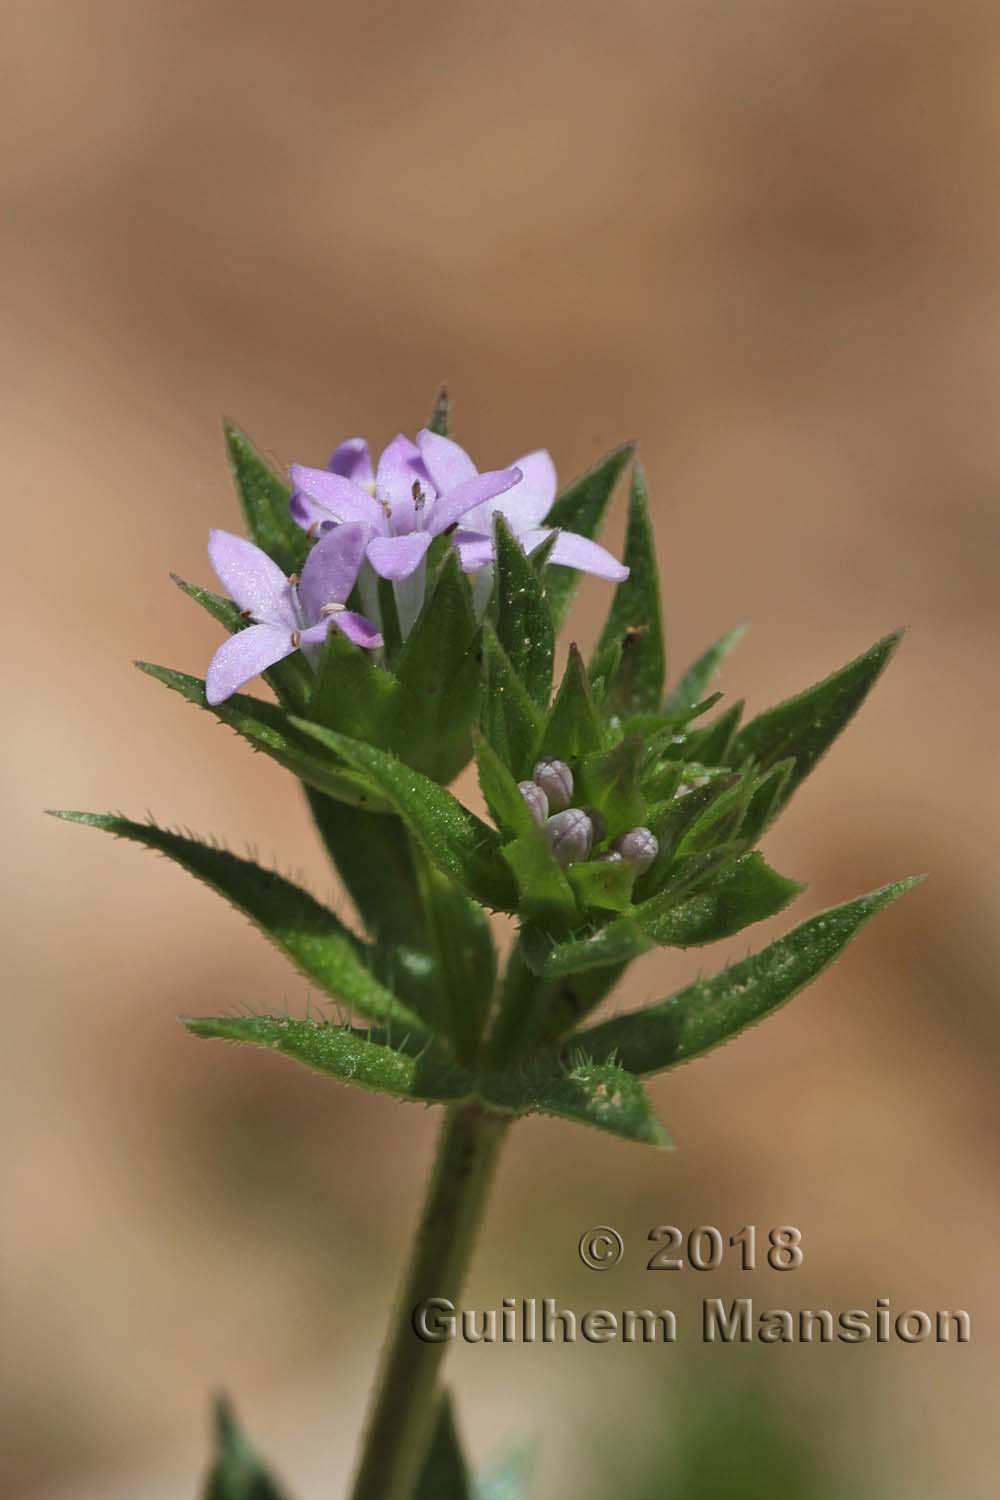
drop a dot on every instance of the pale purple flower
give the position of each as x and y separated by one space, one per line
638 847
538 803
418 491
289 614
556 780
570 835
524 507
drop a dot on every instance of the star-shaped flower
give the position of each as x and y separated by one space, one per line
418 491
396 502
290 614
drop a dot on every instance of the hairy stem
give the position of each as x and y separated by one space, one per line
403 1406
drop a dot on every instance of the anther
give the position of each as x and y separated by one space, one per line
296 638
333 608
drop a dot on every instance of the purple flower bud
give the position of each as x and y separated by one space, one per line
638 847
599 823
556 780
612 857
538 803
570 835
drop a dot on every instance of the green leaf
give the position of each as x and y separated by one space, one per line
711 745
439 669
509 719
353 694
634 621
316 941
544 893
748 891
440 421
523 619
609 781
802 728
444 1475
573 728
581 508
270 730
694 684
458 936
374 854
460 844
508 808
602 1095
712 1011
768 793
603 885
237 1473
671 822
612 946
344 1054
264 497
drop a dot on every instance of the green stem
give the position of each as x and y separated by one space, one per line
403 1407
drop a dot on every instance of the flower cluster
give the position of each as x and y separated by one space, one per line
573 832
374 522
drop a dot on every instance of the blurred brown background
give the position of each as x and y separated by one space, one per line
765 240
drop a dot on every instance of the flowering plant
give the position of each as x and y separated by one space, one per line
405 616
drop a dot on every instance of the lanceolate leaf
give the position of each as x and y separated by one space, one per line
748 891
373 854
316 941
269 729
802 728
581 508
460 844
712 1011
508 808
634 621
601 1095
440 421
440 669
694 684
353 694
237 1473
510 721
444 1475
264 497
523 619
573 728
342 1053
458 936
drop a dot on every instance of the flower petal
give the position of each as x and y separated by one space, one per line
307 514
357 629
251 579
448 509
244 656
341 498
352 460
447 463
331 569
474 549
399 468
396 557
574 551
530 501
